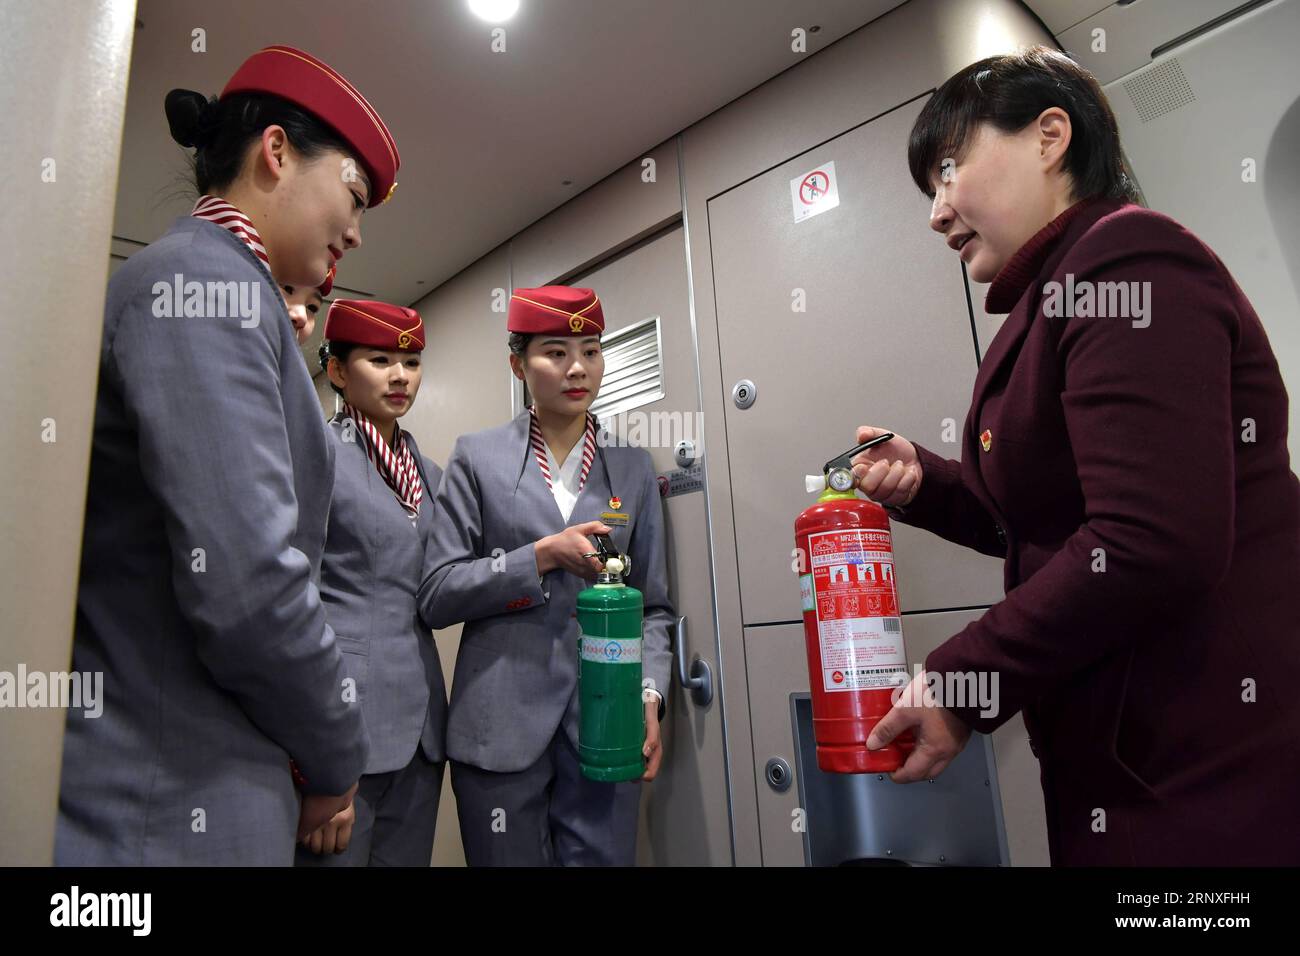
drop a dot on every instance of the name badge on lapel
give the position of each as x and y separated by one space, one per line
614 516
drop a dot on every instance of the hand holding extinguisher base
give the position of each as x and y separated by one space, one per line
940 734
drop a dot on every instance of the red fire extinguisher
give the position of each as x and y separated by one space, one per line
852 626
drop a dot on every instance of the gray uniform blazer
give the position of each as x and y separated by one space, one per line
218 663
370 575
517 668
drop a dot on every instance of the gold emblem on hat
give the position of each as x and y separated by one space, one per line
576 322
403 340
391 189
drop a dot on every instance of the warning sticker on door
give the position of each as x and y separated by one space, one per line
814 192
856 604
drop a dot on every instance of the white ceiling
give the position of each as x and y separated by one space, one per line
1058 15
584 87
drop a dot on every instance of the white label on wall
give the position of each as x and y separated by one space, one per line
814 192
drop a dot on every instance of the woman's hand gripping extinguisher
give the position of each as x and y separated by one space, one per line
611 715
852 627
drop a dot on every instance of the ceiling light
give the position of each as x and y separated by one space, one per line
494 11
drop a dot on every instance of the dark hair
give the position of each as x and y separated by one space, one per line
340 351
220 130
518 341
1010 91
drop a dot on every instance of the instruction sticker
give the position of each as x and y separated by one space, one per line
682 481
856 604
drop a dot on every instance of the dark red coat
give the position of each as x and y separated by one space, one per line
1111 440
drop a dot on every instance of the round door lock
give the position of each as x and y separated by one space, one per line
778 775
743 393
685 453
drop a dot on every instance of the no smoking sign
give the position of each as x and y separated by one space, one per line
814 192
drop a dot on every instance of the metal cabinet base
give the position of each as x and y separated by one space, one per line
868 820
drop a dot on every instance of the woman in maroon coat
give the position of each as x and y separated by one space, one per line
1126 453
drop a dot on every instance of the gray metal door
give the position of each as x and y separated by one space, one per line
685 817
885 339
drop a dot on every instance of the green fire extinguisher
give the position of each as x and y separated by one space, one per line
611 715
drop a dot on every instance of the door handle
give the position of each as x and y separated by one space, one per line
700 679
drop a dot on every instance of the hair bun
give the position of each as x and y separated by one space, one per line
191 117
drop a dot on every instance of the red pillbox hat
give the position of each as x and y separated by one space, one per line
555 310
305 81
376 324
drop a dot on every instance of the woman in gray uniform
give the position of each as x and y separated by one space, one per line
508 557
380 520
209 488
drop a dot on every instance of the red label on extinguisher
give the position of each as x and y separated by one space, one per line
856 606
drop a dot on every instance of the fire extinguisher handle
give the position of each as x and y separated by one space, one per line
842 461
700 679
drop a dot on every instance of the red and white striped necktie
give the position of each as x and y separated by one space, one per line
398 469
539 448
216 210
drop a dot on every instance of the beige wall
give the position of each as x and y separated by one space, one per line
63 72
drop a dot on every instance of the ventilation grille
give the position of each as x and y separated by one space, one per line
634 372
1160 90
